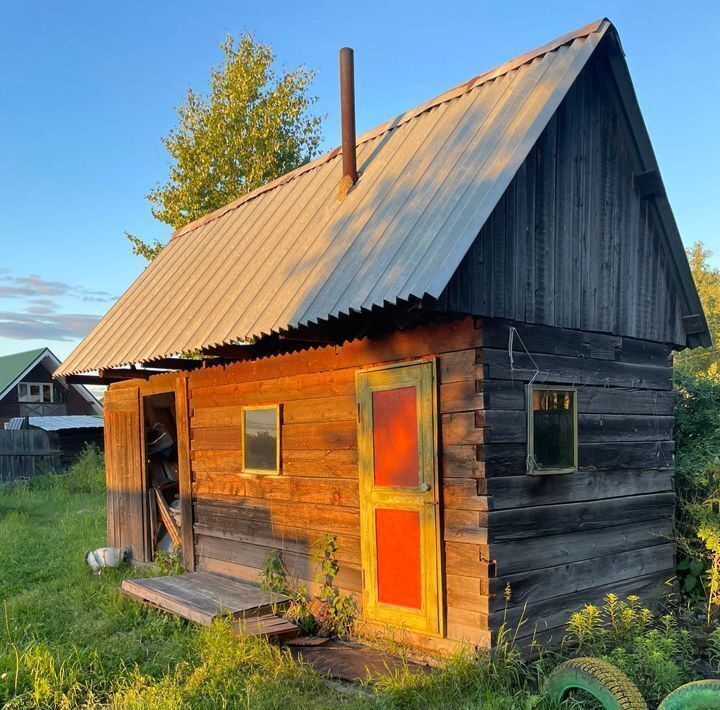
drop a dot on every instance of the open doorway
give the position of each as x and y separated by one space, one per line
164 520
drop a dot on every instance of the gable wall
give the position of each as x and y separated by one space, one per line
9 405
77 404
571 243
67 400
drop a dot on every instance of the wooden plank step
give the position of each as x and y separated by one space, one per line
203 596
266 625
353 661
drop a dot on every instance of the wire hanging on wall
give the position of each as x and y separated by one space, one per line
589 382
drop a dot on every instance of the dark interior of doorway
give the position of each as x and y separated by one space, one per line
161 465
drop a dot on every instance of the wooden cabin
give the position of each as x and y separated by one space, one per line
460 366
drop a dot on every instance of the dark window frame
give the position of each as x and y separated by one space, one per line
278 428
532 468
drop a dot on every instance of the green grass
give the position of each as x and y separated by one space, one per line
68 639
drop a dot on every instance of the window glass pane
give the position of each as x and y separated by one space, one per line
22 392
261 437
34 393
553 429
47 393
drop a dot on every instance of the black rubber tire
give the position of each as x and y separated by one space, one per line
699 695
600 679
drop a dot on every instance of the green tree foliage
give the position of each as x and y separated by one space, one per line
707 280
697 476
697 436
255 125
140 248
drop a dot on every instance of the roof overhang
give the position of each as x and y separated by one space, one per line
201 293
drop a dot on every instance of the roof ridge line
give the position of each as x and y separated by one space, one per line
453 93
25 352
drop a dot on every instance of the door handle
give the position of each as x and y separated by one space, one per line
424 487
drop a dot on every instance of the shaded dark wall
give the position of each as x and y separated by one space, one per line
27 453
572 243
71 442
564 540
77 404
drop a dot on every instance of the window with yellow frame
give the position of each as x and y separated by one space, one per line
261 439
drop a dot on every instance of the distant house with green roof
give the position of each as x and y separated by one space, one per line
29 389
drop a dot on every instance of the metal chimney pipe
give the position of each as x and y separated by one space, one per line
347 111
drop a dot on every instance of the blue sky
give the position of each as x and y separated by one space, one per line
87 90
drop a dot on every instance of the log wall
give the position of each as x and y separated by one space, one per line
240 518
560 541
557 541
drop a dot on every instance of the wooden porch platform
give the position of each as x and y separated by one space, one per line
352 661
202 596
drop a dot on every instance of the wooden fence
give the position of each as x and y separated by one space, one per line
27 452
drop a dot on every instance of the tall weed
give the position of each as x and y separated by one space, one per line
656 653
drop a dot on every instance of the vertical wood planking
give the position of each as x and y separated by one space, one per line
125 471
182 415
574 224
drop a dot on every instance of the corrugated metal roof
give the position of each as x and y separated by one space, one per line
15 424
289 254
73 421
58 423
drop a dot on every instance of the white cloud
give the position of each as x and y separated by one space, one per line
35 286
30 326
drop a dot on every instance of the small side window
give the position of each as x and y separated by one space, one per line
261 439
552 430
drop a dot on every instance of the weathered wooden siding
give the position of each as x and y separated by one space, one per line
239 518
557 541
572 243
560 541
127 499
71 442
26 453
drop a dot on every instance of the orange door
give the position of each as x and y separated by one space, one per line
399 497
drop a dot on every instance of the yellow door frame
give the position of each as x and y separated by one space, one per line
424 498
